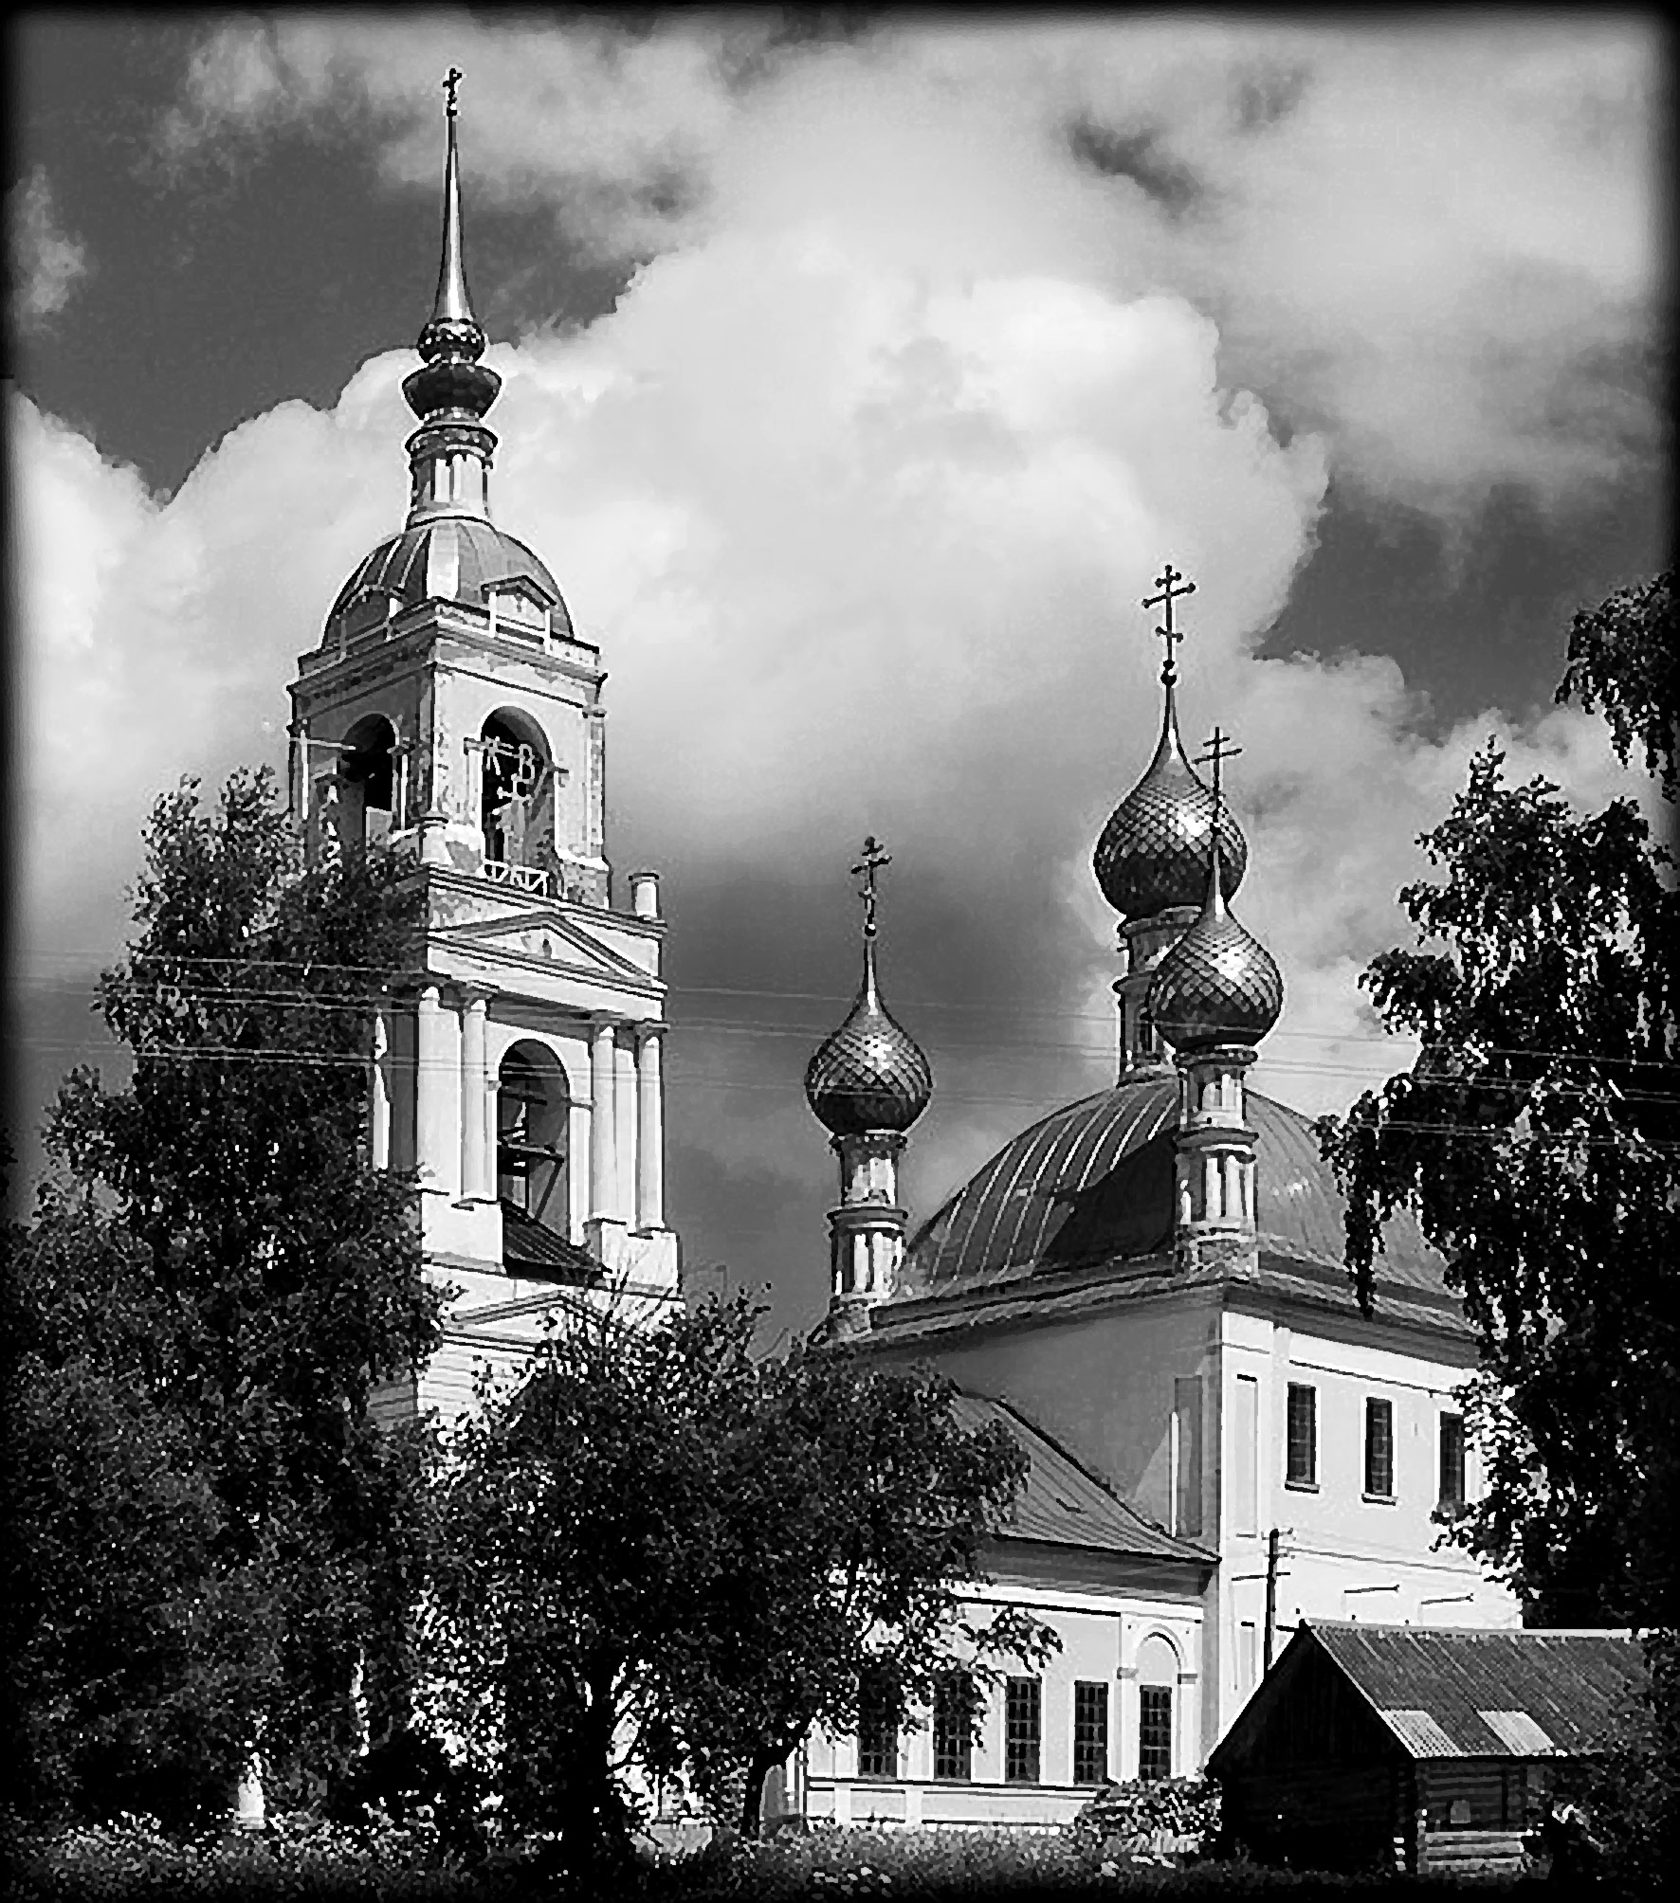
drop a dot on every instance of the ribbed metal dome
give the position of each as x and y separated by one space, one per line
450 558
1153 853
1093 1182
1218 984
870 1074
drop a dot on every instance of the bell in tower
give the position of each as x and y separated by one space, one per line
453 711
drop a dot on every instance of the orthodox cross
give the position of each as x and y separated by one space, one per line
874 857
1219 750
1165 599
450 86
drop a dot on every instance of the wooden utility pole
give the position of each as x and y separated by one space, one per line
1271 1599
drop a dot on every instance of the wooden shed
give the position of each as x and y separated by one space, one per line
1420 1747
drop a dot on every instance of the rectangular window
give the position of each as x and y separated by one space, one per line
1452 1461
1301 1436
1154 1732
1187 1427
1245 1448
1090 1733
878 1723
1379 1449
1021 1715
953 1736
1248 1656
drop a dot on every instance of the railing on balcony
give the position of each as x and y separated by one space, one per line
527 878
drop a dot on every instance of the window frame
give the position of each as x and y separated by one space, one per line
1306 1482
1155 1716
1450 1431
952 1727
1023 1734
880 1731
1090 1731
1379 1448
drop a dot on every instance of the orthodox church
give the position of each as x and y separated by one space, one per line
1146 1287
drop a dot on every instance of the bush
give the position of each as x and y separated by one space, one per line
1165 1816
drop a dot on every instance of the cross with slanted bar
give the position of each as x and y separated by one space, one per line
1219 750
451 85
874 857
1168 595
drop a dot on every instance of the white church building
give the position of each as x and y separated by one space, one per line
1146 1287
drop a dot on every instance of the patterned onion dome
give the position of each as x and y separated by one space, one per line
870 1074
1218 984
1153 852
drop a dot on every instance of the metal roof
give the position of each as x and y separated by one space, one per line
527 1245
1476 1694
450 558
1063 1503
1093 1183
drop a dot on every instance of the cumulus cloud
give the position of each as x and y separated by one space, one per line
859 485
47 262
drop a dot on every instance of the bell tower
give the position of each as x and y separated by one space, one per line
454 709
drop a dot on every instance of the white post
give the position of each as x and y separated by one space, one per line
650 1138
379 1108
603 1191
624 1134
432 1061
474 1087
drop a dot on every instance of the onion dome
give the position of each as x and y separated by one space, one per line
451 381
1153 853
1218 984
870 1074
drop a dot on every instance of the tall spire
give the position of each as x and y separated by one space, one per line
453 304
450 454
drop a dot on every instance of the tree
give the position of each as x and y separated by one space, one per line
856 1508
1538 1137
658 1553
218 1260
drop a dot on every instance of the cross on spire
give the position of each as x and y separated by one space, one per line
874 857
1219 750
1165 599
451 85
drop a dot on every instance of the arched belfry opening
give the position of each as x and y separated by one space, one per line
516 801
367 778
532 1110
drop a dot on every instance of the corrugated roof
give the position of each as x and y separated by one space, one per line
1063 1503
1093 1183
527 1246
1464 1693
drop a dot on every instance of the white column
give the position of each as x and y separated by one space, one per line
379 1105
624 1132
433 1057
603 1190
475 1177
650 1135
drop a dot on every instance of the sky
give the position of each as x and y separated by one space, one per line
861 373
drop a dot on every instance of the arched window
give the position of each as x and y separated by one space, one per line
367 782
531 1108
516 805
1157 1686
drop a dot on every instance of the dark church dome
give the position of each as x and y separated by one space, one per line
870 1074
450 558
1093 1184
1218 984
1153 853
